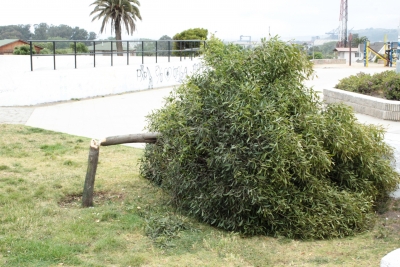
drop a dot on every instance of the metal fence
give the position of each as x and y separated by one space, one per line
165 48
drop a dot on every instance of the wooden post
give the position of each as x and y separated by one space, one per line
87 197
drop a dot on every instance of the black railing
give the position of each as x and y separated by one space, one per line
166 48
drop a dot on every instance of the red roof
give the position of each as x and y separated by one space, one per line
345 49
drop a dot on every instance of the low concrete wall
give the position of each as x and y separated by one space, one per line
22 87
329 61
375 107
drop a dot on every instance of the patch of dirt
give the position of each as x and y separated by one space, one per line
390 219
99 197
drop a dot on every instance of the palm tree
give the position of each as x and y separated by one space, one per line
118 12
358 39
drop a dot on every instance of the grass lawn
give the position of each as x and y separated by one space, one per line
42 222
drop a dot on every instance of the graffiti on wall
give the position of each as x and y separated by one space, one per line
144 74
166 75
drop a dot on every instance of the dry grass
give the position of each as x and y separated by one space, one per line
42 223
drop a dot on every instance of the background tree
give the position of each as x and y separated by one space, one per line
327 49
149 47
358 40
163 46
59 45
68 33
79 34
312 49
41 31
11 34
21 31
190 34
119 13
63 31
92 36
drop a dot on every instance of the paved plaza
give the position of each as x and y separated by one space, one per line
125 113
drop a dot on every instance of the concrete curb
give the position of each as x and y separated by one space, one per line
392 259
372 106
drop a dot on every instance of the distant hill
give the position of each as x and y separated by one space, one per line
377 35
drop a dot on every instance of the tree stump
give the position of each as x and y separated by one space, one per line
88 189
87 197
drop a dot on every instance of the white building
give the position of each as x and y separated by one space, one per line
344 52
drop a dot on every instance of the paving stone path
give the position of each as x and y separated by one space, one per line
11 115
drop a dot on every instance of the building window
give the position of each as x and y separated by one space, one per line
357 54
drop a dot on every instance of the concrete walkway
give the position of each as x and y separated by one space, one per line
125 113
100 117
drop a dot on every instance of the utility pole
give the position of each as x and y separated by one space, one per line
350 40
344 15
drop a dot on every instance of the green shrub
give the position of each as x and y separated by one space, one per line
246 147
80 47
385 83
64 51
359 83
392 88
46 51
318 55
23 50
381 77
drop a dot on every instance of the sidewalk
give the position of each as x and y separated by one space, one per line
100 117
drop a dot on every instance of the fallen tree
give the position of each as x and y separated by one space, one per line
247 147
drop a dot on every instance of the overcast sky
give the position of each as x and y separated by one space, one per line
229 19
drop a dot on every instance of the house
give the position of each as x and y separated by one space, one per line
344 52
105 48
7 46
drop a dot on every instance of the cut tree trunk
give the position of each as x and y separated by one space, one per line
87 197
130 138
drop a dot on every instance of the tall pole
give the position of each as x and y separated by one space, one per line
350 40
343 22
